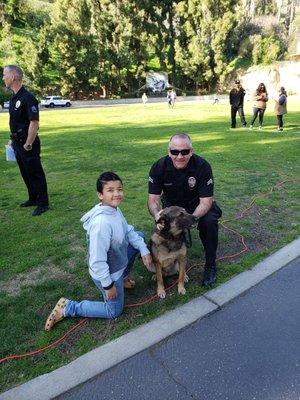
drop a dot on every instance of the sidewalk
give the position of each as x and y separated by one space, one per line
245 350
130 101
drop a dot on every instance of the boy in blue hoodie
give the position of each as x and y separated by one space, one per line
112 248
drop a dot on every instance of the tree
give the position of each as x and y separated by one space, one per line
124 33
37 65
202 43
74 49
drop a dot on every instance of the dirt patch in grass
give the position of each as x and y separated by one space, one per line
257 228
34 277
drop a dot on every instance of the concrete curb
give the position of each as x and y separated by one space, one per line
49 385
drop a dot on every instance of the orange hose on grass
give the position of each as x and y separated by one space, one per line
244 249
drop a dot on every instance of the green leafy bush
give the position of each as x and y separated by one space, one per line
265 49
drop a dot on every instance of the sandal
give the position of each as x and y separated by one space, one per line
129 283
56 314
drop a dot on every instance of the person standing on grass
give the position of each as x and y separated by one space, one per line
144 98
216 98
260 98
169 98
236 100
112 248
24 125
185 179
173 98
280 108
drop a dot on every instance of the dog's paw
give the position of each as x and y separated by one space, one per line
186 278
181 290
153 277
161 293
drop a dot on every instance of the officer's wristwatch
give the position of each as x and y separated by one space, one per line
28 146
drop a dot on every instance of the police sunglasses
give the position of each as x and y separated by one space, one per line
183 152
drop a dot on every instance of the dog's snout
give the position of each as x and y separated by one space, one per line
188 221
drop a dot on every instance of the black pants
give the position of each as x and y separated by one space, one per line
260 112
32 171
280 121
240 110
208 232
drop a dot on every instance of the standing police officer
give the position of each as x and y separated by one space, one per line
185 179
24 124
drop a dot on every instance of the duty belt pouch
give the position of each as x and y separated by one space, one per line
20 136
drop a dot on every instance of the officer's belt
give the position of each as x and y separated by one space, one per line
19 136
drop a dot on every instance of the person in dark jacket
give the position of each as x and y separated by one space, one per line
185 179
24 125
236 99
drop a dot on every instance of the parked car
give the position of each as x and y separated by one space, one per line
55 101
6 104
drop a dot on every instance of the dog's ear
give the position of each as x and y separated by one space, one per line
163 223
160 223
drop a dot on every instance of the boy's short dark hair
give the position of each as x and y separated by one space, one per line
104 178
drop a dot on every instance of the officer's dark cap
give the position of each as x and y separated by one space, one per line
237 82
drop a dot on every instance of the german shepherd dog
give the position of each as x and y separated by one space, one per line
168 246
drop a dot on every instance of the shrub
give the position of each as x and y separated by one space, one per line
265 50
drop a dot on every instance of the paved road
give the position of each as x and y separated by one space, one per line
249 350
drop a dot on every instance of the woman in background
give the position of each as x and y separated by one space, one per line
280 108
260 98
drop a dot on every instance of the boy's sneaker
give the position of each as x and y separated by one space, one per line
260 127
57 314
250 126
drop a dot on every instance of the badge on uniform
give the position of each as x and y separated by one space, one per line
18 103
191 182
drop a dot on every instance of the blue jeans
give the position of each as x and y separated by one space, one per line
108 309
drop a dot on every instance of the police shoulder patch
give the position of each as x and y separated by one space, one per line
33 109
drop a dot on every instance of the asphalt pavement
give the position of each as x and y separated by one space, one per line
247 350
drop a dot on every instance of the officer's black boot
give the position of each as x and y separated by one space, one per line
209 276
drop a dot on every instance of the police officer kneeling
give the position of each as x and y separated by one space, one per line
185 179
24 124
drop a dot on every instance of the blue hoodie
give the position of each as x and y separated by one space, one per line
108 237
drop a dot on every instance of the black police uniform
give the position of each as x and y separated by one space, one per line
23 108
184 187
236 99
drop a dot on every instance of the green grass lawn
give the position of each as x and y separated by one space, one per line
43 258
